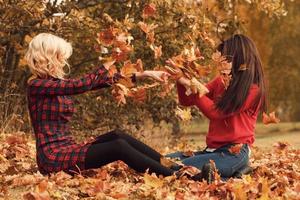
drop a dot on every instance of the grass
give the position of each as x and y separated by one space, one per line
266 135
196 127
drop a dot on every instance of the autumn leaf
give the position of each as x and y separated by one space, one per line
138 94
167 162
108 62
147 28
149 10
157 51
281 145
128 69
269 119
188 153
153 181
235 149
107 36
112 71
183 114
120 92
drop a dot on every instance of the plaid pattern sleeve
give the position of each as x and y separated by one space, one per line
51 108
96 80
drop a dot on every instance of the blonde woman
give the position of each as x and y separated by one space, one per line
51 108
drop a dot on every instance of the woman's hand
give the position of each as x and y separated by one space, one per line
193 86
160 76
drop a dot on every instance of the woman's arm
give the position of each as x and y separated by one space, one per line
191 99
208 107
96 80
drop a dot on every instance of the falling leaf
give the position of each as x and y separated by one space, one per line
120 92
149 10
243 67
269 119
147 28
128 69
108 63
107 36
157 51
183 114
112 71
138 94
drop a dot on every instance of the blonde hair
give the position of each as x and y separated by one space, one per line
47 55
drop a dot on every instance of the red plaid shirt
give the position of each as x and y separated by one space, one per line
51 109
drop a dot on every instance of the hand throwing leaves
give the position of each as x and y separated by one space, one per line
183 114
196 88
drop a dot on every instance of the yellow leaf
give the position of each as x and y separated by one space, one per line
183 114
153 181
239 192
264 189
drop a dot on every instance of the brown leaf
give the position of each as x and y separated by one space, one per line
128 69
188 153
107 36
157 51
167 162
235 149
120 92
149 10
281 145
269 119
138 94
153 181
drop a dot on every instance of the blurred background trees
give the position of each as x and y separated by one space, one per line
272 24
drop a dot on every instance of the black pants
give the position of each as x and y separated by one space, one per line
117 145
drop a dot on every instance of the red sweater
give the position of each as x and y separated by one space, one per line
237 127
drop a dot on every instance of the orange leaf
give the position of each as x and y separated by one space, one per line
157 51
120 92
138 94
128 69
271 118
112 71
188 153
107 36
235 149
108 63
149 10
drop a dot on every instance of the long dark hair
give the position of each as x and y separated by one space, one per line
246 70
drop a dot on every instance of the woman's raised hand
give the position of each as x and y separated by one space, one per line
193 86
160 76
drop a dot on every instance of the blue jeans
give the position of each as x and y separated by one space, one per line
227 163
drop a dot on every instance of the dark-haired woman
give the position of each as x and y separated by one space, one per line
232 110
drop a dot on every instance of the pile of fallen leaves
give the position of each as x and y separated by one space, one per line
276 175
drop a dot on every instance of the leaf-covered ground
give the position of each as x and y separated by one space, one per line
276 176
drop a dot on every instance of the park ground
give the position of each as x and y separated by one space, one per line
275 160
266 135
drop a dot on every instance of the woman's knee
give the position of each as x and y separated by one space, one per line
119 133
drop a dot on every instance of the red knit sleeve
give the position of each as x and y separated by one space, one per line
208 108
92 81
191 99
